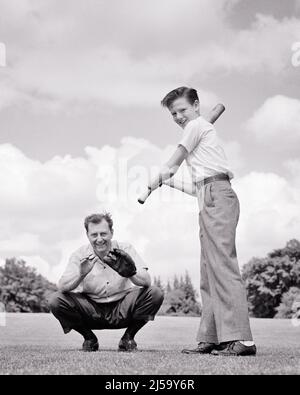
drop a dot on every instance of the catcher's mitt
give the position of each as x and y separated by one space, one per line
121 262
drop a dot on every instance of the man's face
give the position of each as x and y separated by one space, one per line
183 112
100 237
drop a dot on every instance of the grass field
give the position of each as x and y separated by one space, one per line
35 344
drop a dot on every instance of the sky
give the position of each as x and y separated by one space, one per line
81 125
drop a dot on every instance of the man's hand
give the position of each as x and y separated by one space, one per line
121 262
87 264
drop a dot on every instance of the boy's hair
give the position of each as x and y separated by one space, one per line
97 218
189 93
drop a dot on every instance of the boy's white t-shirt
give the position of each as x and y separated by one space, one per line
206 156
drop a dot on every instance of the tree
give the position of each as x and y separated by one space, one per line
157 282
181 300
267 279
290 302
169 288
174 301
176 284
188 288
181 283
22 289
292 250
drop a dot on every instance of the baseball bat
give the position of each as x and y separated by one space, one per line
215 113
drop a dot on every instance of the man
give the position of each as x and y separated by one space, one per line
106 285
224 327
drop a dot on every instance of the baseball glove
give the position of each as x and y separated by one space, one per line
121 262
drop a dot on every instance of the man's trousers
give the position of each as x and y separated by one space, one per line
77 310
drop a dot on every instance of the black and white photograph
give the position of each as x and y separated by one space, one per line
149 190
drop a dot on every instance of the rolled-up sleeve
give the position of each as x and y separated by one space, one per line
72 271
192 135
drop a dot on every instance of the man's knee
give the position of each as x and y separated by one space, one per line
55 300
157 295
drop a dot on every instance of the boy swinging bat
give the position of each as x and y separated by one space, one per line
224 327
212 117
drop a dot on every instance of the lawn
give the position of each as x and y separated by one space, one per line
35 344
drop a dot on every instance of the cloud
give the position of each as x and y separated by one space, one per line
253 50
276 123
115 22
297 5
8 94
22 242
269 213
29 186
234 154
59 58
108 75
292 167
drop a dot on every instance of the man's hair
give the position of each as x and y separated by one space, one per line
97 218
189 93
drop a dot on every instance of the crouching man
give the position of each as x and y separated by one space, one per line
106 285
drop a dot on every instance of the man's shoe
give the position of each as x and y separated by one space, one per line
127 345
202 348
236 349
90 345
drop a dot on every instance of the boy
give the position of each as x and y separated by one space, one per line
224 327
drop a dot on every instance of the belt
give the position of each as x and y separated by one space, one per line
217 177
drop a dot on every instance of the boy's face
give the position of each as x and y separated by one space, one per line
183 112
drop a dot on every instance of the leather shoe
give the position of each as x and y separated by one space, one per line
236 349
202 348
127 345
90 345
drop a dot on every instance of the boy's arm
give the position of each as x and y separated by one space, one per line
169 169
186 187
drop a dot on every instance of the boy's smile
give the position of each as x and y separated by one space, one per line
183 112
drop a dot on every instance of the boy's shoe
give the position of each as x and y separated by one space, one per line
90 345
202 348
236 349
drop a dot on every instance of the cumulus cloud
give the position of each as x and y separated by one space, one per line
292 167
31 186
276 123
269 213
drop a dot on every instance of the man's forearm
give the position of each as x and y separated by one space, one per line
141 278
